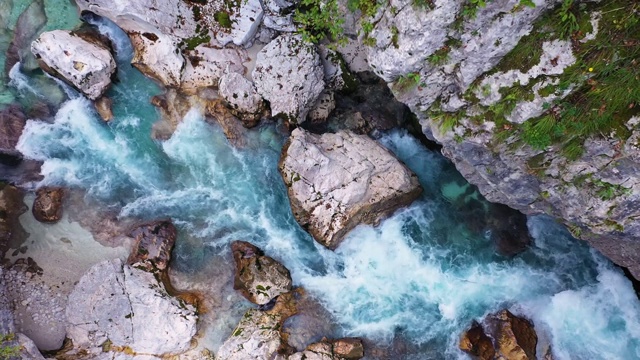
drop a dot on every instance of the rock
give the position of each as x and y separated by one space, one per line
153 245
28 349
103 107
258 335
513 338
340 349
258 277
12 122
47 206
245 20
29 24
508 230
289 75
475 342
86 66
12 234
155 54
130 309
329 201
323 107
206 66
234 130
242 97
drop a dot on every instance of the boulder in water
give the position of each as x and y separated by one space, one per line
103 107
259 278
47 206
12 122
127 308
340 349
153 245
29 24
258 335
501 336
155 54
207 65
85 65
242 97
290 76
337 181
508 229
12 234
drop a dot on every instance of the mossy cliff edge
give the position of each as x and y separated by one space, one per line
536 102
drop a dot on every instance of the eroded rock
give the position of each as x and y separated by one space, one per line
153 245
258 335
259 278
12 234
155 54
501 336
242 97
290 76
340 349
47 206
207 65
337 181
103 107
12 122
128 308
86 66
29 24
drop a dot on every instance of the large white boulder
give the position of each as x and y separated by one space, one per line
86 66
206 65
290 76
242 97
129 308
337 181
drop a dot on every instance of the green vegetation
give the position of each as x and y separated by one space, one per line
605 80
440 57
223 18
8 351
319 20
408 81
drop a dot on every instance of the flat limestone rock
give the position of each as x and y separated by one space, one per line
289 74
85 65
337 181
242 97
128 308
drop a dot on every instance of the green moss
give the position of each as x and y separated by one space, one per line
440 56
614 225
8 351
407 81
394 36
223 19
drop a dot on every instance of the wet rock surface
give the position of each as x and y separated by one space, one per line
153 245
47 206
337 181
12 234
258 335
501 336
290 76
259 278
340 349
103 107
12 122
84 65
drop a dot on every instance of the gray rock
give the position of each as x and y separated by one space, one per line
29 24
129 308
207 65
86 66
258 277
340 349
337 181
289 75
242 97
323 107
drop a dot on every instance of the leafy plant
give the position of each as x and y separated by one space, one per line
319 20
568 18
408 81
440 57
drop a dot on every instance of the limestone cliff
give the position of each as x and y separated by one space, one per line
535 102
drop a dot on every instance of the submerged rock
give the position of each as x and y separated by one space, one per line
337 181
340 349
501 336
12 234
12 122
29 24
153 245
258 335
508 229
127 308
86 66
103 107
242 97
258 277
47 206
290 76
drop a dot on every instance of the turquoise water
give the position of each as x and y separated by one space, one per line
422 275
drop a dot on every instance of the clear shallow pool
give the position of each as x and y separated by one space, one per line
421 276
